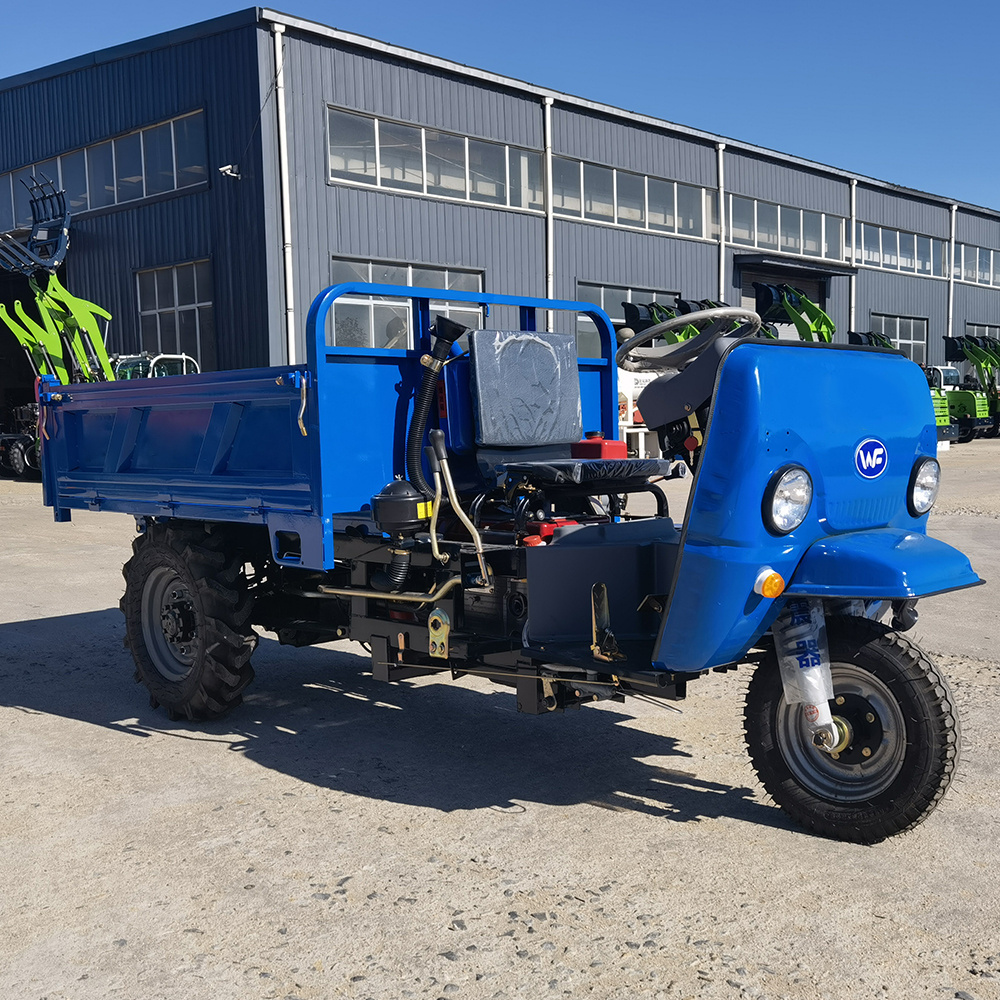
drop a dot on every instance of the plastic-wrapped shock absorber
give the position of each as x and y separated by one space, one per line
804 661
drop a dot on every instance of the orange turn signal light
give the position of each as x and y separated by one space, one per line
769 584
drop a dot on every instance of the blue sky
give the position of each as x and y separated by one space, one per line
906 92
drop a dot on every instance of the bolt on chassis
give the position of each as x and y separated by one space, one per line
436 500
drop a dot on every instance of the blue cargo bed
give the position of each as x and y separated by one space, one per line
291 447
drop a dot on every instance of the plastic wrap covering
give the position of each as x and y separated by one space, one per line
526 388
587 470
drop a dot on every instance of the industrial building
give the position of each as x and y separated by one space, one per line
220 175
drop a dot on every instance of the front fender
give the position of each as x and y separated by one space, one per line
884 563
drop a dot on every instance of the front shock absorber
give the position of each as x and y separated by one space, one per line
804 661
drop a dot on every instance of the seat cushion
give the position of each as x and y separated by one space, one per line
589 470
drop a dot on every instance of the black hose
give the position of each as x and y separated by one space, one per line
446 332
392 578
418 427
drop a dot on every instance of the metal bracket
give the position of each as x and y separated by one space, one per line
438 628
604 646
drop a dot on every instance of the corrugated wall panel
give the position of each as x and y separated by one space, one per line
218 73
755 177
903 295
979 230
632 147
375 225
883 208
610 256
324 72
975 305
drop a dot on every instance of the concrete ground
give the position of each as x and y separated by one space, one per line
335 837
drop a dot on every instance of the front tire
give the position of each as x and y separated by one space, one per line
905 742
187 609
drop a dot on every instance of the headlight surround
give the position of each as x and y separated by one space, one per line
787 500
925 480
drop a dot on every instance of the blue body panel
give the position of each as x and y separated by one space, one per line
226 446
785 403
890 563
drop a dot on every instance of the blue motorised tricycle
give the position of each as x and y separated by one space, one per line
457 500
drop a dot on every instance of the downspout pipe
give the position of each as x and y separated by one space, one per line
951 272
853 279
550 220
286 200
720 149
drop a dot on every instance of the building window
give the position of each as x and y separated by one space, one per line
690 210
982 330
890 249
150 161
352 147
631 198
487 172
401 157
613 299
369 321
906 332
175 311
566 186
760 224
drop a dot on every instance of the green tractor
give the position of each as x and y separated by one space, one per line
975 403
784 304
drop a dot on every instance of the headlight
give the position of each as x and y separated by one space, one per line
787 499
924 482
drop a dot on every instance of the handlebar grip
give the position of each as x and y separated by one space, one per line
437 443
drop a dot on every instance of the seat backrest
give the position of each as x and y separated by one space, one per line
525 388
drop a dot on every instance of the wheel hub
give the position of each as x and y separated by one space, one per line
861 718
170 624
867 714
177 618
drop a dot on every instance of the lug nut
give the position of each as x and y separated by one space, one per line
840 700
866 751
870 717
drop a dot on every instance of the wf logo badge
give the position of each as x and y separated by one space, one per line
871 458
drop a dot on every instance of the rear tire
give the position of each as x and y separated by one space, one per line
187 611
17 458
900 710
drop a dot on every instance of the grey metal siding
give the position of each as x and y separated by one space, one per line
897 211
632 147
610 256
323 72
979 230
904 295
755 177
975 305
219 73
508 246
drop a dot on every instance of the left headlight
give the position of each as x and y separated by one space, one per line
787 499
924 482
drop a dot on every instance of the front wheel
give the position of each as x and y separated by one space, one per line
904 737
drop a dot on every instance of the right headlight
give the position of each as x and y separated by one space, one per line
787 500
925 479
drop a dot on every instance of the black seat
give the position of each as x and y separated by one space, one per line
526 394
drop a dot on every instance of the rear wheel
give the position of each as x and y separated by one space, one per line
187 610
904 737
17 457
